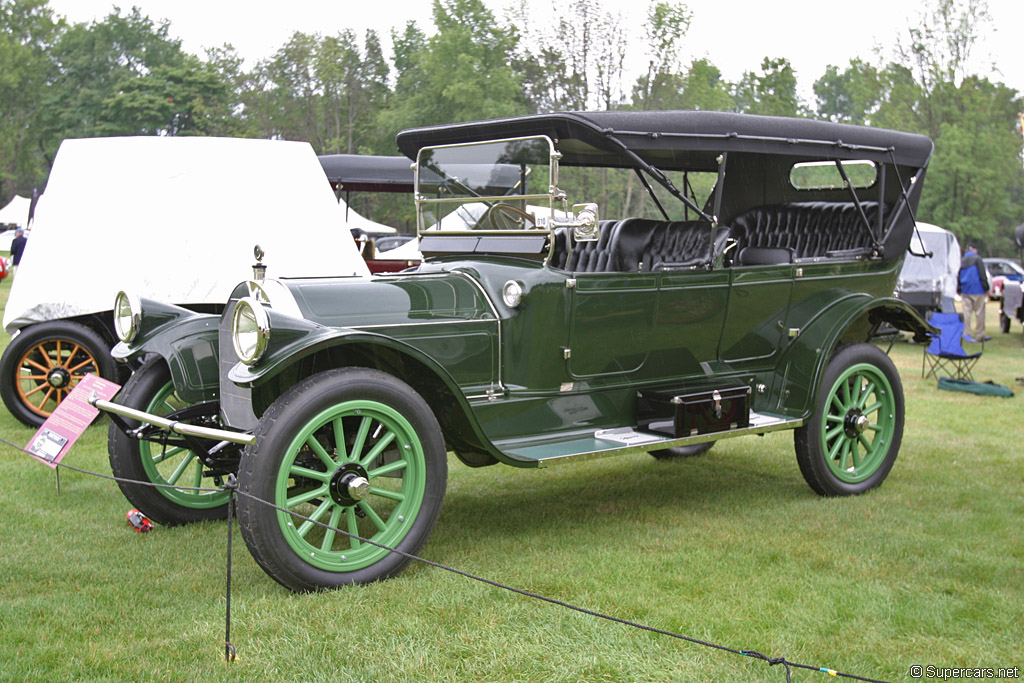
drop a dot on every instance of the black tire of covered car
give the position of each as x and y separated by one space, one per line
150 390
353 449
683 451
853 437
44 362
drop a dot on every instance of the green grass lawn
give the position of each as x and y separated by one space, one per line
732 547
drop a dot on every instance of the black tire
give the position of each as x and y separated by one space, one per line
860 384
44 362
150 390
1004 322
683 451
296 436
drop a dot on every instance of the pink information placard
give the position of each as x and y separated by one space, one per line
65 424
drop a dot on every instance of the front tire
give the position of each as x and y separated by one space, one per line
852 439
45 362
150 390
355 449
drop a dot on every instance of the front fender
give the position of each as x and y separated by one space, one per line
850 319
186 340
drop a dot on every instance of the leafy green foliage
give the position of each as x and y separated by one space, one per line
127 75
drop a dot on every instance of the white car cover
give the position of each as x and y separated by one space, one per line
937 273
176 220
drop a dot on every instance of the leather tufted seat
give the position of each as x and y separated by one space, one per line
586 257
643 244
807 229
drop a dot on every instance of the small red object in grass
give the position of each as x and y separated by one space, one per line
139 521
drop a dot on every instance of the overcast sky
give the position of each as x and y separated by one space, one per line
734 35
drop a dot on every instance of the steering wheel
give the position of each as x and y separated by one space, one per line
506 217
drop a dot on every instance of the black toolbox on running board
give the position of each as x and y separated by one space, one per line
690 413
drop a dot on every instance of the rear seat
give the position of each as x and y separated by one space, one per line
807 230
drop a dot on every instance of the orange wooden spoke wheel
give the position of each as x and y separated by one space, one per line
45 361
50 370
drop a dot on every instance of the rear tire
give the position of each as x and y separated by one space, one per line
683 451
852 439
355 449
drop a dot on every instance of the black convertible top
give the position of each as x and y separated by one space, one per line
681 139
366 173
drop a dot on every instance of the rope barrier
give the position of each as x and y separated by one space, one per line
231 487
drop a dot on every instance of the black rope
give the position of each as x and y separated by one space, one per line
231 487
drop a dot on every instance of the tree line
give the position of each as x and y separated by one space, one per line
128 75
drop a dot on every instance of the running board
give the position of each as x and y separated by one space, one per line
605 443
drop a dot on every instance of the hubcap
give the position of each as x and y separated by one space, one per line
349 484
58 378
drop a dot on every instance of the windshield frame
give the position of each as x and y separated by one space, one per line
546 200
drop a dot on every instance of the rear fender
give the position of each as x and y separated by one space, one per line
852 319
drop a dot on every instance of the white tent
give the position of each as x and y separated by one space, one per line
16 211
175 219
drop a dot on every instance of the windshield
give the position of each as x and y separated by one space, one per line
505 185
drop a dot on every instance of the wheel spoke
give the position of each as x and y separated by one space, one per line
377 449
855 454
298 471
321 453
845 453
197 478
180 469
46 398
305 497
70 357
329 532
314 517
364 429
865 392
833 451
353 527
387 469
33 377
42 367
39 388
87 361
837 403
339 440
835 418
872 408
168 453
865 443
846 393
387 493
833 433
372 515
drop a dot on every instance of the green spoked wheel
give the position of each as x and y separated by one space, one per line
173 465
347 456
851 442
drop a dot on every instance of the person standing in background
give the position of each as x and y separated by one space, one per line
972 286
17 249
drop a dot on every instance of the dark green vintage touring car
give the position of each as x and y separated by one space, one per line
594 284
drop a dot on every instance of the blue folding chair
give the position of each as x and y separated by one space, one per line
946 352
